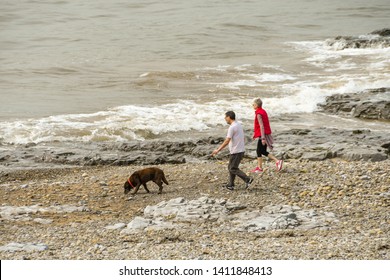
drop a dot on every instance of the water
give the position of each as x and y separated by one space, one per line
121 70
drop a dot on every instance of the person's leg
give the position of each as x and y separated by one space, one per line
279 163
232 176
234 167
272 157
260 162
259 167
262 151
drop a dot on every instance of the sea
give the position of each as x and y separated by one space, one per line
122 70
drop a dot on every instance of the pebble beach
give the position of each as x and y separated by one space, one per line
331 209
93 91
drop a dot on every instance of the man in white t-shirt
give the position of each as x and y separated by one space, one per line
236 140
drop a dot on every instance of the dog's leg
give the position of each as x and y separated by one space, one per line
160 186
146 188
136 189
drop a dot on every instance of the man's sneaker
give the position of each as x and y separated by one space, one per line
257 170
229 187
247 184
279 165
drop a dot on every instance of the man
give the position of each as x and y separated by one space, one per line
236 140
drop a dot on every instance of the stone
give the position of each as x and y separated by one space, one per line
116 226
43 221
28 247
175 213
139 223
368 104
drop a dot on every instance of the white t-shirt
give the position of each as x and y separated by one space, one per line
236 134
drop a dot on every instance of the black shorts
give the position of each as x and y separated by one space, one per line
261 149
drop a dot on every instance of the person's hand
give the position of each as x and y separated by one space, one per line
214 152
263 141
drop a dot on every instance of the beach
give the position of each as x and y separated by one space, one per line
93 91
354 195
330 200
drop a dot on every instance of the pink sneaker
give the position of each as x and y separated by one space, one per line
257 170
279 165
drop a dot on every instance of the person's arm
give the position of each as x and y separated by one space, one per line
223 145
260 119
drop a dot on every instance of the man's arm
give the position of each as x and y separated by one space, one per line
223 145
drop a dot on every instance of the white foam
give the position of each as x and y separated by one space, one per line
337 58
140 122
272 77
237 84
119 124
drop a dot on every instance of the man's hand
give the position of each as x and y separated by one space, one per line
224 144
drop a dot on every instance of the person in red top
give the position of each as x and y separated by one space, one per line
262 130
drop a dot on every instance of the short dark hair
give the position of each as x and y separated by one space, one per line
231 115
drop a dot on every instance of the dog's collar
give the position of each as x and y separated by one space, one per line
128 180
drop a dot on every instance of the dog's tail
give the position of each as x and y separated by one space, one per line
164 179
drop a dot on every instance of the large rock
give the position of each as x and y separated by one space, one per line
370 104
179 214
281 217
376 39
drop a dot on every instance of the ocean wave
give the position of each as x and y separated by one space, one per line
132 122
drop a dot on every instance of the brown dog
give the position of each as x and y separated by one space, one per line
141 177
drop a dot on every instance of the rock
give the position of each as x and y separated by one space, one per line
28 247
382 32
43 221
316 156
369 104
22 212
137 224
379 110
381 40
355 154
176 212
116 226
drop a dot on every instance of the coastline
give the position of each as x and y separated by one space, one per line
91 94
330 201
303 143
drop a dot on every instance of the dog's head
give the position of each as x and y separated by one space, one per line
127 186
131 182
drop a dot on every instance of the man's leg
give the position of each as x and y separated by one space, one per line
232 175
234 171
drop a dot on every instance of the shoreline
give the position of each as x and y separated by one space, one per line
330 201
314 144
350 127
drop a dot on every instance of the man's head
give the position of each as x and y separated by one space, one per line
230 117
